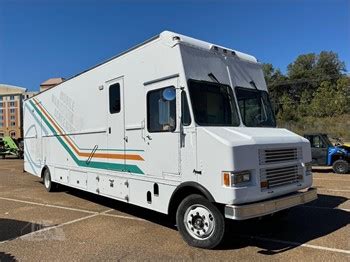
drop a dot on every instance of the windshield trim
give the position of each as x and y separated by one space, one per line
256 90
232 94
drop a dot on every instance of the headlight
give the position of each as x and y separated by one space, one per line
231 179
308 169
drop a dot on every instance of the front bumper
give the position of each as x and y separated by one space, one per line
241 212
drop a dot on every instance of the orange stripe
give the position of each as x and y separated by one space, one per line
97 155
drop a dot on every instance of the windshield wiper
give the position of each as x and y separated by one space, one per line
253 84
212 77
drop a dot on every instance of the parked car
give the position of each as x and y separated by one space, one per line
324 153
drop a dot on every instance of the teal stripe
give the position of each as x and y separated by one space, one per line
82 163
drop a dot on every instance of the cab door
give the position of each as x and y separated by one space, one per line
318 150
161 130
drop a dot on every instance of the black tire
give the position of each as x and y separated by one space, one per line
341 166
49 185
205 230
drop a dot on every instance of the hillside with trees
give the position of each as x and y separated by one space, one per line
313 95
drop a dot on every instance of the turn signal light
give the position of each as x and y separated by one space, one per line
264 184
226 179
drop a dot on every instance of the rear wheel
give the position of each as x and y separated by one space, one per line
200 223
340 166
49 185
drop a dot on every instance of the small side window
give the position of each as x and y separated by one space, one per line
318 143
161 110
185 117
114 98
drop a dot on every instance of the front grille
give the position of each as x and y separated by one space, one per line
271 156
281 176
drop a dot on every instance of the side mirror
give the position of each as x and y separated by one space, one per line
169 94
164 104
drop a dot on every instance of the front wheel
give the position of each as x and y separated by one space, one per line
200 223
340 166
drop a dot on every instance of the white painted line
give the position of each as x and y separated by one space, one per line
8 168
327 208
330 179
57 226
104 213
48 205
124 217
23 237
333 190
343 251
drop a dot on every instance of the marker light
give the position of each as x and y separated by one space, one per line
226 179
264 184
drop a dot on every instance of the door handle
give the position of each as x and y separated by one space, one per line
149 137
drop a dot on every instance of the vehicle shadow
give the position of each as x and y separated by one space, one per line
302 224
10 228
128 209
323 170
6 257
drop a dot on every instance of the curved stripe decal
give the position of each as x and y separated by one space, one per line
81 154
73 151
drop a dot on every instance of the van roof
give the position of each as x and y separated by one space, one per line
171 37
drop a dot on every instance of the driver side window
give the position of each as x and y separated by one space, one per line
161 110
317 142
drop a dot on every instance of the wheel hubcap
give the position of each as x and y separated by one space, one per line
47 180
341 168
199 221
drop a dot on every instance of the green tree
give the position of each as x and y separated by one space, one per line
314 83
287 111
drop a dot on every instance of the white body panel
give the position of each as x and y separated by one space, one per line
70 130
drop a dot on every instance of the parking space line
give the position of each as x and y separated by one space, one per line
296 244
328 179
48 205
50 228
125 217
7 168
57 226
333 190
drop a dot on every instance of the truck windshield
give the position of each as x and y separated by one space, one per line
213 104
255 107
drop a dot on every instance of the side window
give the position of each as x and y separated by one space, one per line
318 143
161 110
185 117
114 98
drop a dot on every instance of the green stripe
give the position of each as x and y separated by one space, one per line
82 163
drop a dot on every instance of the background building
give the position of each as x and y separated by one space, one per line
11 100
51 82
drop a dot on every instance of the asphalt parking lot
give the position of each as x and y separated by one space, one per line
73 225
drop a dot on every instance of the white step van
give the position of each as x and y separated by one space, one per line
176 125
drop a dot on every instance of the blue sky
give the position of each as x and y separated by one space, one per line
42 39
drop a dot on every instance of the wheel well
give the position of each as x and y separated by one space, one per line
337 157
183 191
43 171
